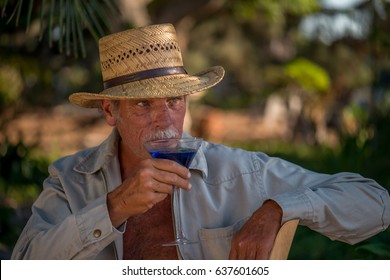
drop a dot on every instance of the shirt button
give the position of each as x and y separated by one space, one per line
97 233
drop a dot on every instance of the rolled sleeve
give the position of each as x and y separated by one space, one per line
295 205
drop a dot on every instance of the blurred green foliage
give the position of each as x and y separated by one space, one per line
274 10
11 85
22 171
308 75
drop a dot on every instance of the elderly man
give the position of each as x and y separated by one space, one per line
113 201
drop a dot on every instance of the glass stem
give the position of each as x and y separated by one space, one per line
176 200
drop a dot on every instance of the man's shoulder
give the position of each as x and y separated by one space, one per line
220 150
89 160
224 163
74 159
222 155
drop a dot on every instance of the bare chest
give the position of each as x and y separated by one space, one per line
146 232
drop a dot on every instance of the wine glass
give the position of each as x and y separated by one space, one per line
182 151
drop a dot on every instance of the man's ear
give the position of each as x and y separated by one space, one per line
109 112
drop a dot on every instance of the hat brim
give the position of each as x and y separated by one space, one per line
158 87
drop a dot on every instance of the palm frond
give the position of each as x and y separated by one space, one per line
64 21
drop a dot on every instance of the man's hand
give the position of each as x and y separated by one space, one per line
255 240
146 186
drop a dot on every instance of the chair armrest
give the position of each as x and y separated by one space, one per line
284 240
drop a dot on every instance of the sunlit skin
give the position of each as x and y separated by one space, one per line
148 181
137 119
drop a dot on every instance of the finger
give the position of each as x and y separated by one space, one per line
250 254
159 171
167 179
150 199
159 197
172 167
237 249
233 254
162 188
170 179
241 255
261 254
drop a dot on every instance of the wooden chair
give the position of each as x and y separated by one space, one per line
284 240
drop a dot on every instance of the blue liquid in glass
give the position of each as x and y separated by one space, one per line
183 156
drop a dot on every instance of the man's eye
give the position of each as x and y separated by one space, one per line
143 104
175 100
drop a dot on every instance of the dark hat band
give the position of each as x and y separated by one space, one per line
142 75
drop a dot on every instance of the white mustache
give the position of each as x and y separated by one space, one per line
163 134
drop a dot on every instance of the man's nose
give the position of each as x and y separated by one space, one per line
162 116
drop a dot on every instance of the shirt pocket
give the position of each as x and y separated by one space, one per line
216 242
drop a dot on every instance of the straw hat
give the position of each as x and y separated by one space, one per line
145 63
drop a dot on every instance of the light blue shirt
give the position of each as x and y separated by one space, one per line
70 218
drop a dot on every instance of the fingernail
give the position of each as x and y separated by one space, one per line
189 186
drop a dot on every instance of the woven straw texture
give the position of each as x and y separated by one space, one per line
138 50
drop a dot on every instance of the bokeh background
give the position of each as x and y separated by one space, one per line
306 80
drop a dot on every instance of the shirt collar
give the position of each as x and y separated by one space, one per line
95 158
199 162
